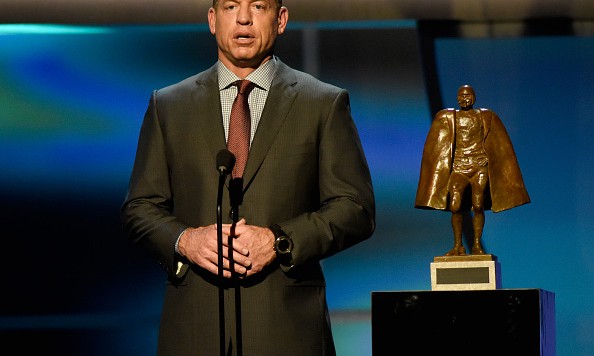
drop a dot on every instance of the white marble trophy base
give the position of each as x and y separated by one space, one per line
468 272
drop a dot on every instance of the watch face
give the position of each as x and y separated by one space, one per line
284 245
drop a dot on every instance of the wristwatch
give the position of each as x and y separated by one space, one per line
283 244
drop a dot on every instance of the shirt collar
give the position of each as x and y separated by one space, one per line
262 76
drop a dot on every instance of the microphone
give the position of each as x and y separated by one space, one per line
225 161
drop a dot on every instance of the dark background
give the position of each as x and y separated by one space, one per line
72 100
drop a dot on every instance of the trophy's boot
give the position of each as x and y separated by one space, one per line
456 251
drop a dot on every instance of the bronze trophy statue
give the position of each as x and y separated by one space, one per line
469 165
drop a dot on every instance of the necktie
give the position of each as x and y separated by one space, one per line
239 127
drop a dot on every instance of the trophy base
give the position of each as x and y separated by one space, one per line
468 272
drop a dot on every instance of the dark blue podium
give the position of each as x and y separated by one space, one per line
483 322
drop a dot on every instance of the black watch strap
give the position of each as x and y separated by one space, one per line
276 230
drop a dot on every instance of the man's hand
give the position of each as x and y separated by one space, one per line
256 241
199 245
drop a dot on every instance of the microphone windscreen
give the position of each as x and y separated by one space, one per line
225 160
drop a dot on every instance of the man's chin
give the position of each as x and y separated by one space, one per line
249 62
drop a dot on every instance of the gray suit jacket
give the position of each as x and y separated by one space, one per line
306 172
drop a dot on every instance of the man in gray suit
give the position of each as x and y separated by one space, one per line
306 195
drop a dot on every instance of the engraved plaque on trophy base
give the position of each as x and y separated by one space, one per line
469 272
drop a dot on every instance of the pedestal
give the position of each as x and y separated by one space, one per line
483 322
469 272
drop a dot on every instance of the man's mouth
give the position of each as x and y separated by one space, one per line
243 36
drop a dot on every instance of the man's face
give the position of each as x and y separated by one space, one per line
246 30
466 98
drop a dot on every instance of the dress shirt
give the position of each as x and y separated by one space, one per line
262 77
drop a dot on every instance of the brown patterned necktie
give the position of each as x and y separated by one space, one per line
239 127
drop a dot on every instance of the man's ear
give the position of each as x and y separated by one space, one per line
283 19
212 20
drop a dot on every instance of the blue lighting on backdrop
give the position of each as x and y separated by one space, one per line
72 100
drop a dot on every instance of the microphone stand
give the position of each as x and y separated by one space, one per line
225 163
222 177
236 198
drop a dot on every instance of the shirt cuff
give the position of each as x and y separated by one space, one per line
177 242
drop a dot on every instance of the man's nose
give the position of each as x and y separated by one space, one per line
244 16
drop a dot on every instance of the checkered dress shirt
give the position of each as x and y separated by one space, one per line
262 77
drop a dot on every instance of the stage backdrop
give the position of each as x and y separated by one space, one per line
71 103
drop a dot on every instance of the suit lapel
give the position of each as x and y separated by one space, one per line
280 99
206 103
